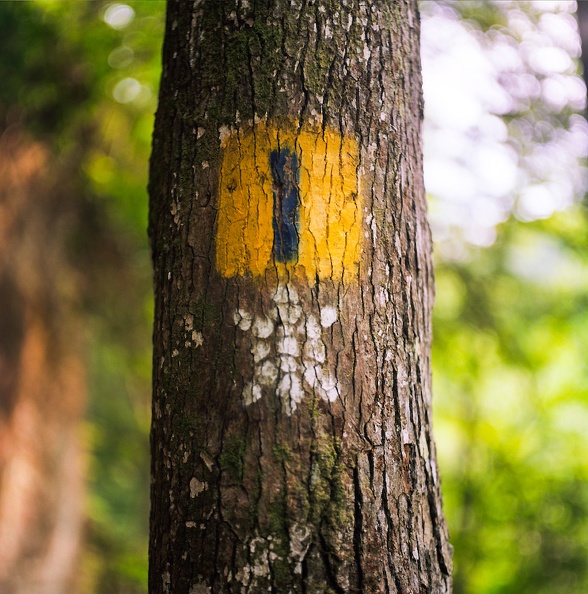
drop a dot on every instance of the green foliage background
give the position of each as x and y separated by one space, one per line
511 324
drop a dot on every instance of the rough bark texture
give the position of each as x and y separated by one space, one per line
291 437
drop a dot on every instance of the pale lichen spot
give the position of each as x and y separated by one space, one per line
259 568
197 487
263 327
313 330
285 294
260 351
207 460
199 588
314 351
289 346
175 353
288 364
291 392
268 374
300 540
243 319
327 383
166 579
278 340
175 212
328 316
251 393
382 297
190 524
286 330
223 133
406 436
197 338
424 446
289 313
310 375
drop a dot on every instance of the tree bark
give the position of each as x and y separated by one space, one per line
291 436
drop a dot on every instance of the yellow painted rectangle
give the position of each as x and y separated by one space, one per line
330 209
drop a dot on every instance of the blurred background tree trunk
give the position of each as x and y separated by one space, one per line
74 279
291 437
42 383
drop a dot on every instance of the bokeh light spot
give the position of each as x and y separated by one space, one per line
118 16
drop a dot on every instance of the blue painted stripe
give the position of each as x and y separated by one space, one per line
286 175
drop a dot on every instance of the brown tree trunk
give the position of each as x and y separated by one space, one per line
291 436
42 384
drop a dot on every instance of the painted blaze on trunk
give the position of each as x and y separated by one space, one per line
284 164
291 439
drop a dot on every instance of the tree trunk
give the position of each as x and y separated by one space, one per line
42 380
291 436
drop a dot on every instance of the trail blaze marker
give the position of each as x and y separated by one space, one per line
289 199
286 175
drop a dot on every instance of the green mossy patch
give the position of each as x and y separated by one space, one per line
231 458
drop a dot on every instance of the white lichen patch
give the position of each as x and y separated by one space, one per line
197 487
175 212
189 322
251 393
207 460
288 345
299 542
258 548
285 294
288 353
291 392
382 297
328 386
328 316
260 351
223 133
166 579
268 374
197 338
314 350
262 327
199 588
290 314
288 364
243 319
313 330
